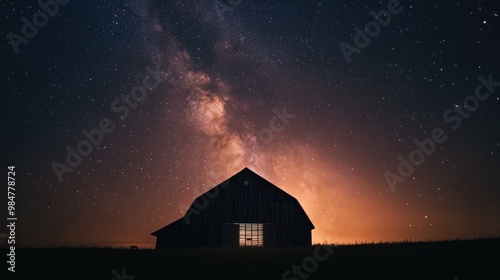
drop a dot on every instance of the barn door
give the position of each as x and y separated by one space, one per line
270 234
230 235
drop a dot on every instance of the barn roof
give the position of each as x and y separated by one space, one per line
239 180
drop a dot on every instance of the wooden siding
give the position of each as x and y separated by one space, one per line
211 219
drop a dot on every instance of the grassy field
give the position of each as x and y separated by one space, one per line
472 259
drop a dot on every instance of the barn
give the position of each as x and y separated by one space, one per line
244 210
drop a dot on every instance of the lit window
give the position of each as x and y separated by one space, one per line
251 235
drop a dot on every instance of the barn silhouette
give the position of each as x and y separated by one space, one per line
244 210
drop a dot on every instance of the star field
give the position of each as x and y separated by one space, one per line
219 84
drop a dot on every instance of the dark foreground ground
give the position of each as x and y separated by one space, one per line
473 259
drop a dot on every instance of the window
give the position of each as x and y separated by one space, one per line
251 234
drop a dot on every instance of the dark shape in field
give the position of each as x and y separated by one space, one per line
244 210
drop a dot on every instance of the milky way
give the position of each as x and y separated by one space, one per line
265 86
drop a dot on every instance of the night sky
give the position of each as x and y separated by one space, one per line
188 94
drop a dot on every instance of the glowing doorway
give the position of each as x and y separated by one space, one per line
251 234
